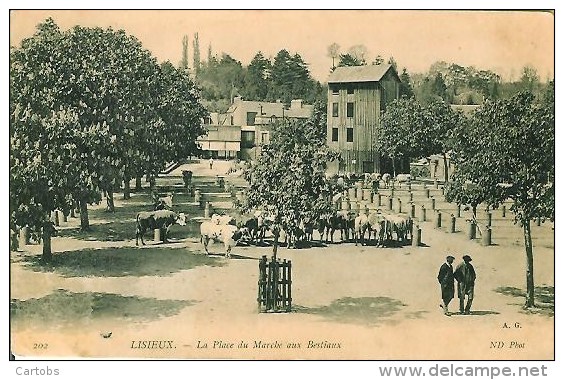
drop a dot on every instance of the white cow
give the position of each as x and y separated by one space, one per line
226 233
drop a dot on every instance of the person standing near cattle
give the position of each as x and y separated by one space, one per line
446 279
465 276
211 163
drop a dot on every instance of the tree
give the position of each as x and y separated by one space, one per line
83 115
257 79
196 52
349 60
184 61
333 52
405 85
529 78
439 87
358 52
401 131
378 60
288 180
291 79
507 153
393 62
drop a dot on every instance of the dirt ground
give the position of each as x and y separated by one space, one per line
107 299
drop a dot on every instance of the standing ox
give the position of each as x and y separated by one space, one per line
161 219
227 233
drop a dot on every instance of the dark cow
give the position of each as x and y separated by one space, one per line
160 219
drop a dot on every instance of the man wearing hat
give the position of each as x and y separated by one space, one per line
465 276
446 279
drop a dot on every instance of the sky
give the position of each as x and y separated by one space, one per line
502 41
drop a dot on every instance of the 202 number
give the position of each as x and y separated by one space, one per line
40 346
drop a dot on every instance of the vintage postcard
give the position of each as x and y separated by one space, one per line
159 159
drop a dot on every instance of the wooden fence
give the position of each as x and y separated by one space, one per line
274 285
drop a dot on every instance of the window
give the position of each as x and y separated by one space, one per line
247 139
335 134
251 118
335 109
335 91
349 135
350 90
350 109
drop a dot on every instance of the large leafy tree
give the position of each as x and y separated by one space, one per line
257 79
507 153
84 112
401 130
288 179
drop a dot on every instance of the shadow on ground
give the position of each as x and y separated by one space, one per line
544 299
119 262
363 310
63 306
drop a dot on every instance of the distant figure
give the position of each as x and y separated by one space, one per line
465 275
446 279
211 163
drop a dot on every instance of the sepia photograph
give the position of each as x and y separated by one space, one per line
282 185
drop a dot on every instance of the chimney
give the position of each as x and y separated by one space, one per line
296 104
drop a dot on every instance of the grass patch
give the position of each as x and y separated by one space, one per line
119 262
63 306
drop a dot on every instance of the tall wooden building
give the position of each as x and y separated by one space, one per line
357 96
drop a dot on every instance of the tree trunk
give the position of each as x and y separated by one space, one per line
445 163
138 182
110 200
530 297
126 187
152 182
46 238
394 166
275 246
84 222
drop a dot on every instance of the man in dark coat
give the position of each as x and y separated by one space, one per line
465 276
446 279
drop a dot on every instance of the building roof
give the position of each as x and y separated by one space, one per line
350 74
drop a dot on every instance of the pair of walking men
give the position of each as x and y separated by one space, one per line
465 276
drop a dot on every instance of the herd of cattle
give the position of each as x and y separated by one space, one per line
370 227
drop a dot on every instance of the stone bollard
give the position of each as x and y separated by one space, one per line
390 206
471 232
438 221
433 202
458 211
392 192
412 210
24 236
197 196
399 206
56 218
487 237
423 215
427 193
357 206
452 227
159 234
207 210
65 217
416 236
409 186
489 219
503 211
436 183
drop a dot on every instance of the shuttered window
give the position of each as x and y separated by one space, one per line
335 134
349 135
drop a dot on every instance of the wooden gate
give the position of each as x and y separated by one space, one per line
274 285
